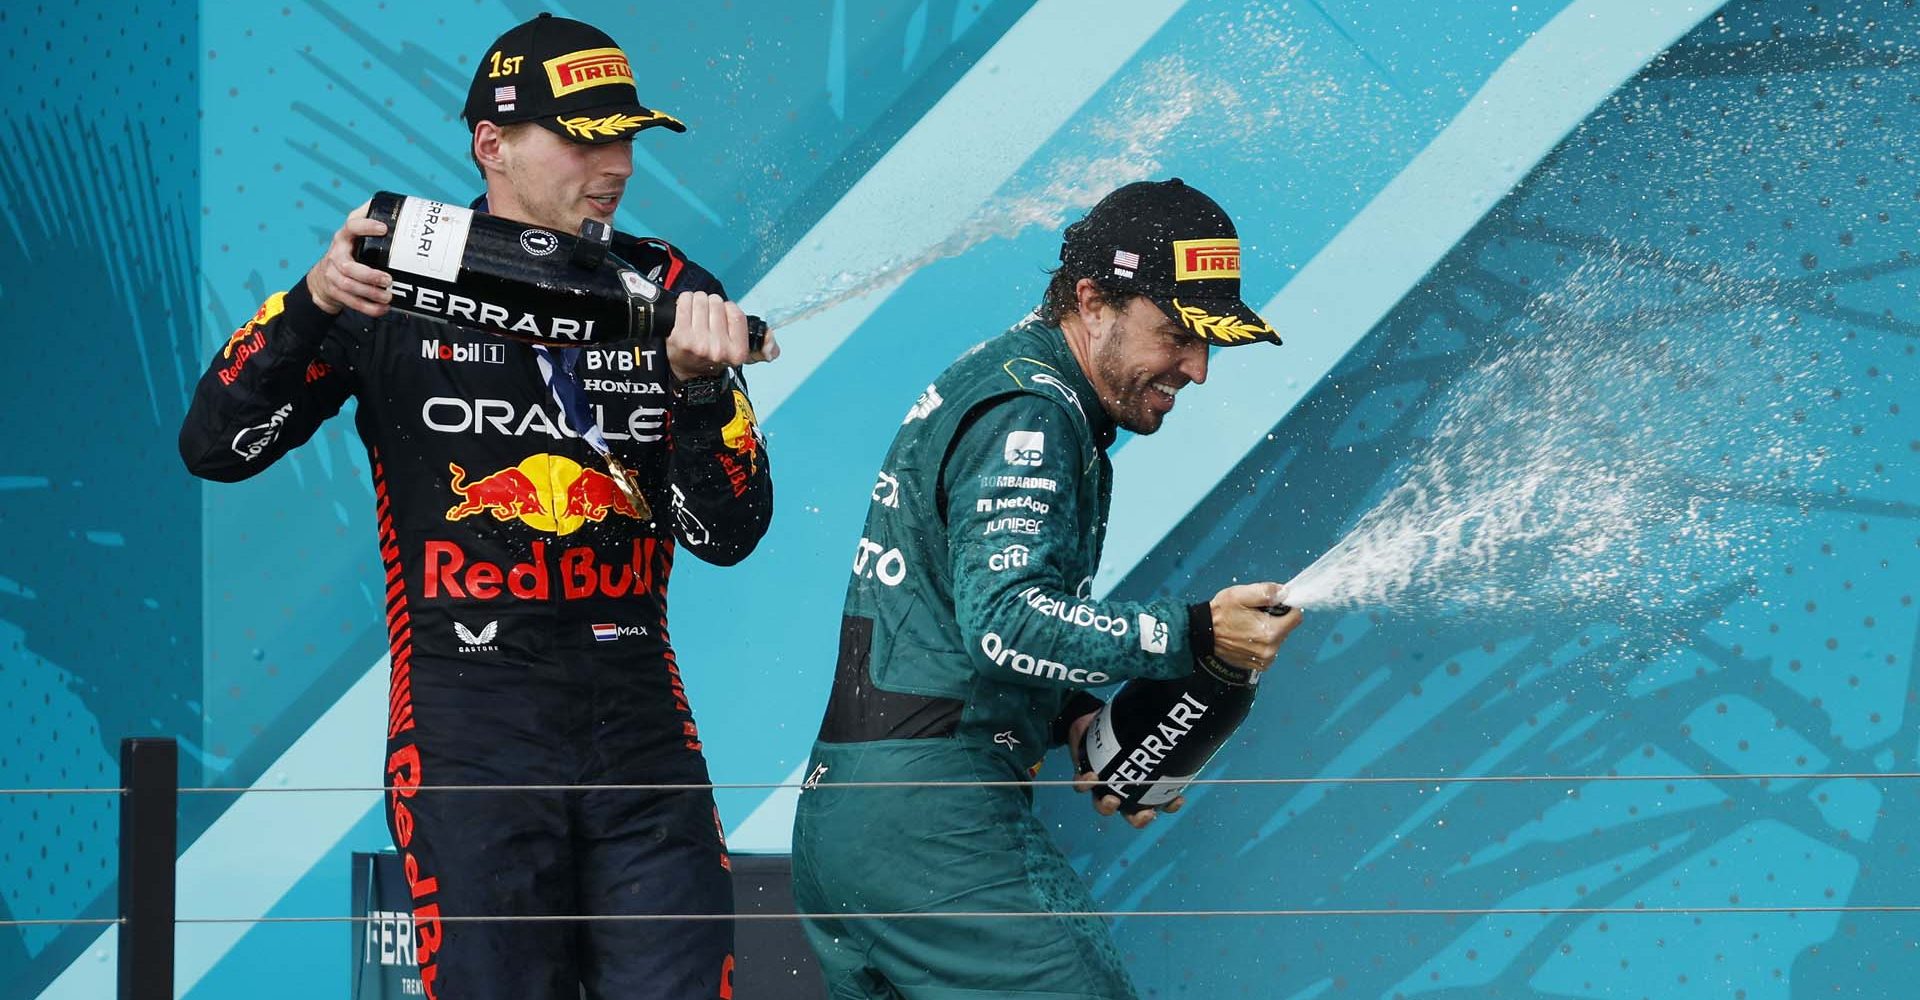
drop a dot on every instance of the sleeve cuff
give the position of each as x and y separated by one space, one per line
302 315
1200 629
1078 704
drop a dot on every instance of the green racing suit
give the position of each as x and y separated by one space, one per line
967 643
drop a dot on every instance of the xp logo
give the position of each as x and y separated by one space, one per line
539 242
1153 634
1026 447
546 492
1011 557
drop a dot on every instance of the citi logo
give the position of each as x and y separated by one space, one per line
492 354
1011 557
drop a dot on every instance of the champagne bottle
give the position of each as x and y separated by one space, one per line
508 278
1153 738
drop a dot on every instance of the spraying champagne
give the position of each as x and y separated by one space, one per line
515 280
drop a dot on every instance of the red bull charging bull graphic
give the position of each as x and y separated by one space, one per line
550 493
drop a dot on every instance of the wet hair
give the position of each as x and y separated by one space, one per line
1062 298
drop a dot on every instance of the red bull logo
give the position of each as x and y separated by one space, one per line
551 493
742 433
249 340
581 573
593 495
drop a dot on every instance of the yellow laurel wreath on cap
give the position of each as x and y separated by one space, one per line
1221 329
613 124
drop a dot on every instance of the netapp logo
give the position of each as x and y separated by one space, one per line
492 354
985 505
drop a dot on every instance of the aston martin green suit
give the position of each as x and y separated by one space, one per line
966 645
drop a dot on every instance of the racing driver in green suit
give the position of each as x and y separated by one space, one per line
969 636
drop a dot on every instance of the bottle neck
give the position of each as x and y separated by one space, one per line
1212 666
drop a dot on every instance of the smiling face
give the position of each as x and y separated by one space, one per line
1139 360
535 176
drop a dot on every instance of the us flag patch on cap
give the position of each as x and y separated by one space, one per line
505 97
1124 263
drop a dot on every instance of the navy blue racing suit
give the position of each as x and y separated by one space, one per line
526 610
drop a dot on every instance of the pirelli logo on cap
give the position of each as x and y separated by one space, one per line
577 71
1197 260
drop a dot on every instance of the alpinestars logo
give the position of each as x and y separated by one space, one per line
470 642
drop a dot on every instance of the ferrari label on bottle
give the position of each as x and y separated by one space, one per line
430 238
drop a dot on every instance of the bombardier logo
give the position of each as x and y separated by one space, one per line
1074 614
1020 483
1004 655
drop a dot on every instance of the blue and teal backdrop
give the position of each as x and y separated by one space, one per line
1409 178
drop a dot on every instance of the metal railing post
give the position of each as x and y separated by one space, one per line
149 824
